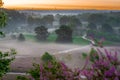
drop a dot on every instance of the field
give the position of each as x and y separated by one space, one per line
29 52
76 39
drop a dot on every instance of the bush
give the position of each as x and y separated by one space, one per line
103 66
5 60
21 37
52 70
47 57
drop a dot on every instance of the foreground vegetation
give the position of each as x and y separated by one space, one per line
5 57
98 66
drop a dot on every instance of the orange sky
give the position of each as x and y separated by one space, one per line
62 4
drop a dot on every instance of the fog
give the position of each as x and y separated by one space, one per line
34 49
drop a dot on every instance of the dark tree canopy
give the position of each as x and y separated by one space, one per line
41 33
48 18
114 21
92 26
21 37
64 34
70 20
97 18
107 28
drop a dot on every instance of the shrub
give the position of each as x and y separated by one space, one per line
47 57
52 70
103 66
21 37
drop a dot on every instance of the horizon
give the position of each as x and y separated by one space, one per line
62 5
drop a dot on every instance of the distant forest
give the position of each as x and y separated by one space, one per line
96 23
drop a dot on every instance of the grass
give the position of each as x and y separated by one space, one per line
76 39
30 37
107 43
52 37
79 40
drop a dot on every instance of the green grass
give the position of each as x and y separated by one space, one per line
30 37
52 37
76 39
107 43
79 40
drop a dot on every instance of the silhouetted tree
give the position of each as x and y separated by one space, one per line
41 33
64 34
21 37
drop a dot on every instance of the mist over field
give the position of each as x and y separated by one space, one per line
66 34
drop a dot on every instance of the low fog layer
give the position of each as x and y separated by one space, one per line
31 49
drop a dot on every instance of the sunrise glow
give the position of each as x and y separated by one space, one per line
62 4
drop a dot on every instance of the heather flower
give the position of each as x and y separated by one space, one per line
106 67
110 72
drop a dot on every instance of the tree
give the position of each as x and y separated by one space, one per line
107 28
70 20
48 19
5 57
97 18
114 21
92 26
2 18
64 34
21 37
41 33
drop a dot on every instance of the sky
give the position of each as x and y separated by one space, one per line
62 4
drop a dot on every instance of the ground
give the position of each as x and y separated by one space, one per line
29 52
